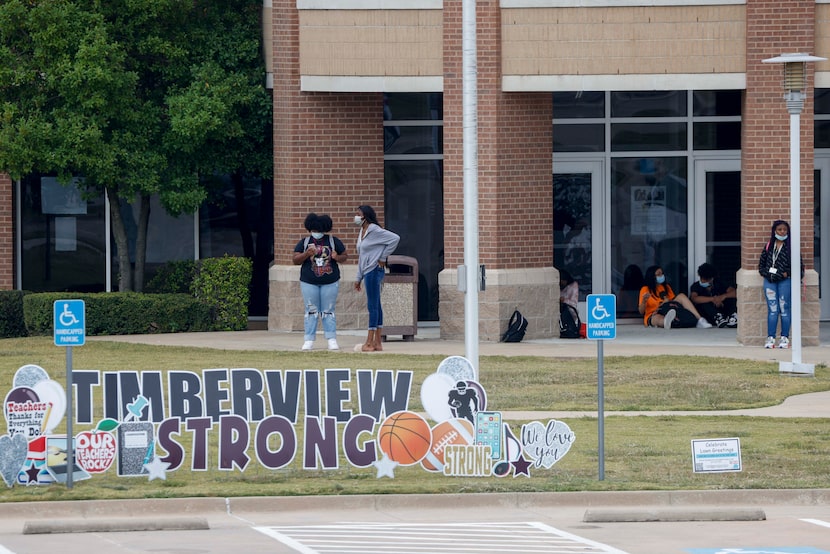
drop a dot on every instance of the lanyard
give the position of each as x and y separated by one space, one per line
776 250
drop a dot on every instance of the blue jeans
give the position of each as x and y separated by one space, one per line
372 282
778 303
320 299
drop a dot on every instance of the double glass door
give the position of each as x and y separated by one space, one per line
609 230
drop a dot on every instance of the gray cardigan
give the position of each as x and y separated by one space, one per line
376 246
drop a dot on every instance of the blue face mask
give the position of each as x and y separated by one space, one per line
317 236
661 279
705 285
781 237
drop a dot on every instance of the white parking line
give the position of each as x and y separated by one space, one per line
817 522
445 538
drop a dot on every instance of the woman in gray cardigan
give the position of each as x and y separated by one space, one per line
374 245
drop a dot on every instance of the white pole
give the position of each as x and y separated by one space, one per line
795 239
470 139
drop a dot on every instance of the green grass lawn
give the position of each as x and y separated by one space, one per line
641 452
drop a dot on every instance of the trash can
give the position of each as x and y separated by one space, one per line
399 298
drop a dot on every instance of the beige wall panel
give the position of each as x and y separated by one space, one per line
624 40
371 43
822 36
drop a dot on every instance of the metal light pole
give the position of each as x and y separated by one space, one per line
470 146
795 83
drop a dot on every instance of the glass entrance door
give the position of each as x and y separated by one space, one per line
717 229
578 228
649 225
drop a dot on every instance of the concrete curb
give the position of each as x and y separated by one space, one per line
114 525
96 510
685 514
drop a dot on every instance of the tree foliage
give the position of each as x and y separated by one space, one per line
138 97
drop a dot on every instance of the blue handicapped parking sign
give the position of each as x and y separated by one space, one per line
601 322
69 322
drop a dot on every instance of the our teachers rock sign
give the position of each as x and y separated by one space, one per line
158 422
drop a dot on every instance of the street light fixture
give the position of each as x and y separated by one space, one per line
795 85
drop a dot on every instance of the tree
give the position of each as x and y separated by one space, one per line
138 97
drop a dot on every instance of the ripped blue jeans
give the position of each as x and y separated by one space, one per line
778 303
320 299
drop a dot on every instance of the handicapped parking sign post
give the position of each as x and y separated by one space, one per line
601 325
69 325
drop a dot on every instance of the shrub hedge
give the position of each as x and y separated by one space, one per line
123 313
11 314
207 295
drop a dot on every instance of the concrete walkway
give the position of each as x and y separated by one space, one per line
632 340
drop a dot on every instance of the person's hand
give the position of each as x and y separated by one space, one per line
311 250
357 286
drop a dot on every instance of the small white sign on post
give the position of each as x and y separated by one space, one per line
716 455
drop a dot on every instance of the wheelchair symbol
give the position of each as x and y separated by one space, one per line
67 318
598 312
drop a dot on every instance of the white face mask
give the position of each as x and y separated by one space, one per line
358 220
317 236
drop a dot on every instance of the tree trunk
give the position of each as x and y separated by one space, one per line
141 241
125 274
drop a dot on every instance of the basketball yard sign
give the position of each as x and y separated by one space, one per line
149 424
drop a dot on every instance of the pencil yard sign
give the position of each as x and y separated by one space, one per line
153 423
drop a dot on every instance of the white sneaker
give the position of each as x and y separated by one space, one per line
703 324
784 343
733 321
308 345
770 342
669 317
333 344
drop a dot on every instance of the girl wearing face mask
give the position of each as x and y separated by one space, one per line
662 308
319 255
774 267
374 245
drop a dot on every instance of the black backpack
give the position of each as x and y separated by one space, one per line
515 328
568 322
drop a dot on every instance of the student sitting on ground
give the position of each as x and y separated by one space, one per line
662 308
715 301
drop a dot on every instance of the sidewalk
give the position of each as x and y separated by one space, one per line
632 340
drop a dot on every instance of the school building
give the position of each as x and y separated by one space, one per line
612 135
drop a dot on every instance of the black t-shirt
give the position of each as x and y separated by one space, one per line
320 269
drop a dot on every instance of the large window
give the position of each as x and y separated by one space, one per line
63 243
414 199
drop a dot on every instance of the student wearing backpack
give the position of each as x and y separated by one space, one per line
319 254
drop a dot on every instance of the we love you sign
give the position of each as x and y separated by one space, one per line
152 423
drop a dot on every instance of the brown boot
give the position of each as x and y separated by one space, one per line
378 344
369 345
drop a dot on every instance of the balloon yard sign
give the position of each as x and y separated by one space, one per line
155 423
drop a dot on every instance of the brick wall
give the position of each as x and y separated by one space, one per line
515 191
328 158
328 147
514 153
765 157
6 234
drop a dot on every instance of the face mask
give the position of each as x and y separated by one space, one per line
317 236
781 237
661 279
705 285
358 220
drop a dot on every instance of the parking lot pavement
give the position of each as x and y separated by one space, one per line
794 522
